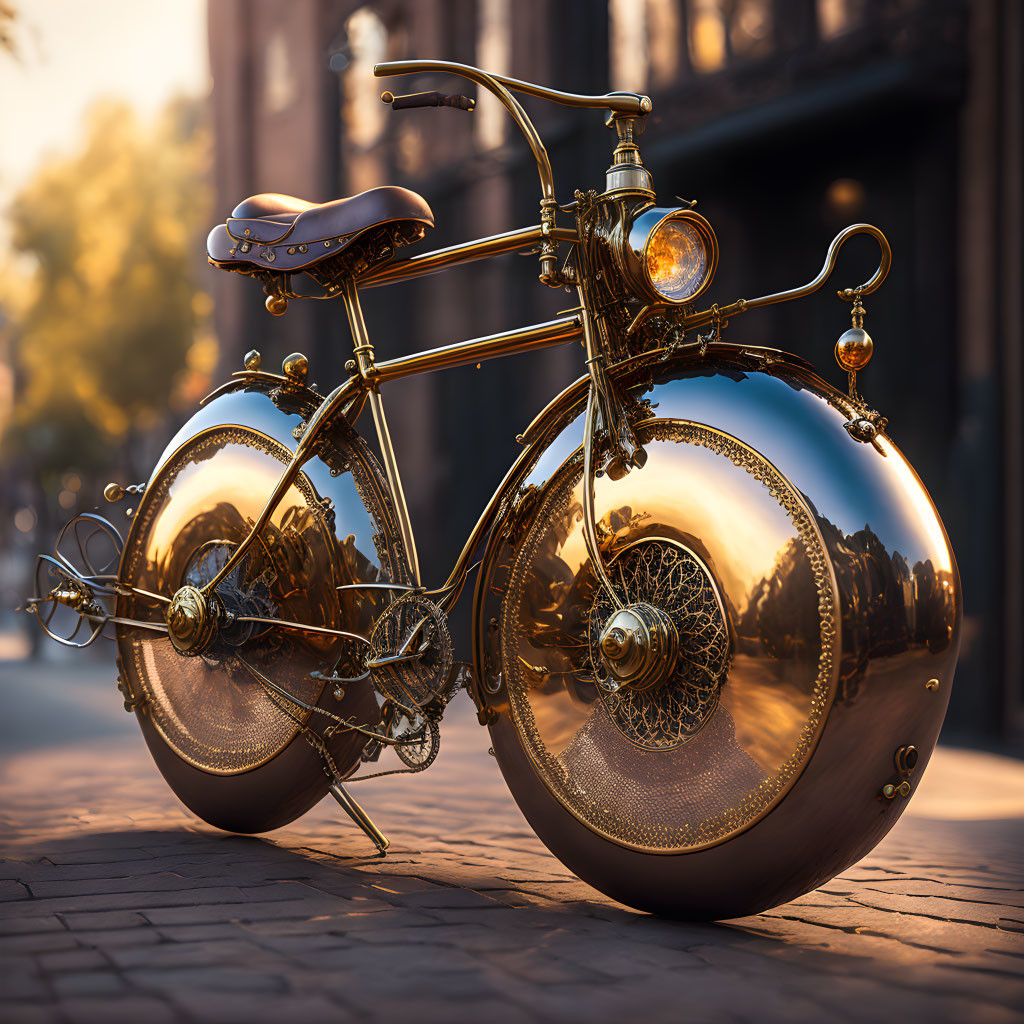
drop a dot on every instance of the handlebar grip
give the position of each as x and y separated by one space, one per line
428 99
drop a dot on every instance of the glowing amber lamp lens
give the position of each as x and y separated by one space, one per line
677 260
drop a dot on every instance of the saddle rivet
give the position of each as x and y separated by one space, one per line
291 251
327 243
245 246
303 248
247 232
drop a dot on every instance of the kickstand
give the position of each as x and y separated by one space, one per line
360 817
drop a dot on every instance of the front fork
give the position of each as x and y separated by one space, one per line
606 410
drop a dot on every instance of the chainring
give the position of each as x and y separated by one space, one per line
422 746
424 677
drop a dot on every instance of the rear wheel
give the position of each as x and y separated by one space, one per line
232 748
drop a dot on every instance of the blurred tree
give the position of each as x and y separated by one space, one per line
8 19
110 325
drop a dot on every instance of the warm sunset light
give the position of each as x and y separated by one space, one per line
511 512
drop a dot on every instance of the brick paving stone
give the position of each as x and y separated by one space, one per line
218 1008
87 983
37 942
31 925
104 919
112 938
72 960
201 932
210 952
13 1011
117 905
214 978
128 1009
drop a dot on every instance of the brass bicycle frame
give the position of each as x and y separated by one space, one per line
369 375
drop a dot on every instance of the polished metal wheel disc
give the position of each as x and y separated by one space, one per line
680 718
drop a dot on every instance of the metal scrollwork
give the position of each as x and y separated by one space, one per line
666 575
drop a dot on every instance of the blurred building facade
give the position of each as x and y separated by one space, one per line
786 119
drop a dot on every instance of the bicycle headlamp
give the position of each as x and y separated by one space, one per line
672 254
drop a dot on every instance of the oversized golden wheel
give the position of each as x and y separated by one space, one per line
234 749
715 735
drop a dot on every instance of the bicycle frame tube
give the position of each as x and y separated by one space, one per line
370 375
465 252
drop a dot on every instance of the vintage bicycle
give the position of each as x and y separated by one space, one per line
716 615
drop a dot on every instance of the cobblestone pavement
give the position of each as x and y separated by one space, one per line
121 906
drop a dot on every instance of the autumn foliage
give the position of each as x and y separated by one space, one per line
107 323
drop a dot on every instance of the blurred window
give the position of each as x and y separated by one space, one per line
365 115
707 35
492 54
627 29
663 35
750 28
838 16
279 86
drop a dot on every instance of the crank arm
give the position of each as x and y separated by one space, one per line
404 654
396 659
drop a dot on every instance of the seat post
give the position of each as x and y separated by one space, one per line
363 351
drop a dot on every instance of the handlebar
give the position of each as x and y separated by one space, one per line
620 102
511 104
428 99
628 105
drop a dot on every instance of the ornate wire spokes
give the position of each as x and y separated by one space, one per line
90 546
72 609
76 588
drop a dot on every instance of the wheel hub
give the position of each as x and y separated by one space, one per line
639 647
192 619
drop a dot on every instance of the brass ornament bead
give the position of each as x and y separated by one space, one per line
295 367
113 492
276 304
854 349
253 359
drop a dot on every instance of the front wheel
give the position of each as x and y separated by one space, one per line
723 764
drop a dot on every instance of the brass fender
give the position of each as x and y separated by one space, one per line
891 594
229 753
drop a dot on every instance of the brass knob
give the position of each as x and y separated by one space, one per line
253 360
113 492
276 305
854 349
614 643
891 790
295 367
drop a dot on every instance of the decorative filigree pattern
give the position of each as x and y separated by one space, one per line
648 784
664 574
413 630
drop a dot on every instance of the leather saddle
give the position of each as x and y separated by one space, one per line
273 232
